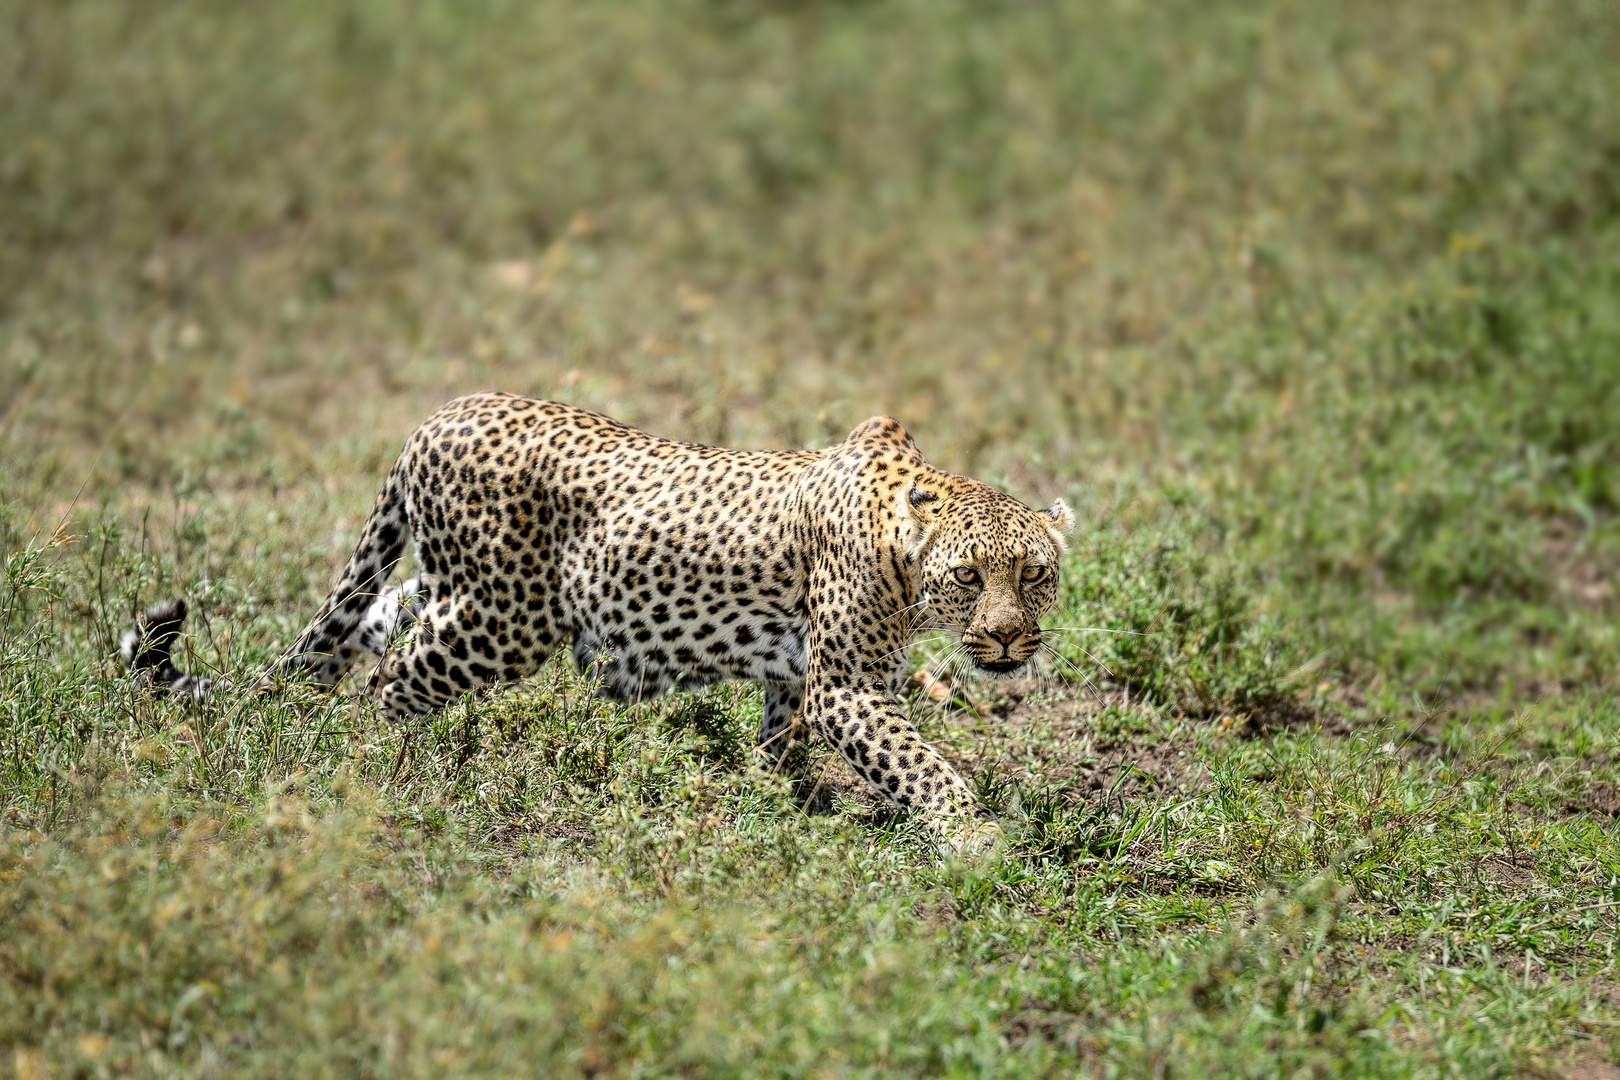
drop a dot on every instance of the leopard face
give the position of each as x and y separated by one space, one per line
989 569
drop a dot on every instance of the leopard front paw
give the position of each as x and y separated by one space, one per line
973 840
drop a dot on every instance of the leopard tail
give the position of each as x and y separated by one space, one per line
148 651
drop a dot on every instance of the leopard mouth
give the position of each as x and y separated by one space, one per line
1006 666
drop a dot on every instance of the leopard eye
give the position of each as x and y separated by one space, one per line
1034 574
965 575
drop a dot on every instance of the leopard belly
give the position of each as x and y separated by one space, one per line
630 670
647 620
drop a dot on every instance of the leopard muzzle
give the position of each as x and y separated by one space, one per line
1002 650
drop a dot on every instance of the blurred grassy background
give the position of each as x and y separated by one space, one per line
1313 309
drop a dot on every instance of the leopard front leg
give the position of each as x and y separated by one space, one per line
868 728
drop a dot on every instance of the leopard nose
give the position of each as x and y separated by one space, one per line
1006 637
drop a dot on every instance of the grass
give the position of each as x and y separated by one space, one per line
1310 309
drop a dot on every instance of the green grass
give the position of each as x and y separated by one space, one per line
1312 310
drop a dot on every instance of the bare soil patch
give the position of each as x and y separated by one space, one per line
1089 742
1581 573
1035 733
1593 1069
1602 800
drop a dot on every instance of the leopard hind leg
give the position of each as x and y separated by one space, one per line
329 646
781 747
457 647
397 610
784 744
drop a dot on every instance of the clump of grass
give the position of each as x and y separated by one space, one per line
1158 608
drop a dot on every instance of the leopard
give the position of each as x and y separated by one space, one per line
664 565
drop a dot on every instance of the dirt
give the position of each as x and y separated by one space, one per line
1055 1026
1602 800
1581 574
1517 873
1592 1069
1040 735
1037 733
1064 735
1090 742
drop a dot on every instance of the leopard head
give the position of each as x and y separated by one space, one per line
988 563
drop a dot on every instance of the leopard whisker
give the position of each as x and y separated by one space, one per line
1044 677
1076 669
911 645
1093 630
909 607
943 669
959 661
1093 658
947 666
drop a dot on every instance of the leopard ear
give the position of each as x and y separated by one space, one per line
922 502
1062 520
918 510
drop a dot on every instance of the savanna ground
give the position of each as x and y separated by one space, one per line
1312 309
